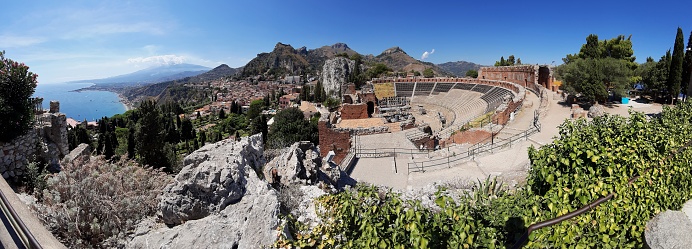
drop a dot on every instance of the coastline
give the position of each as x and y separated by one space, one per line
126 103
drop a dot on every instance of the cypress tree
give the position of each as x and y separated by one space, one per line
675 72
687 67
131 142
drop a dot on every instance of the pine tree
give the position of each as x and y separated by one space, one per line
675 72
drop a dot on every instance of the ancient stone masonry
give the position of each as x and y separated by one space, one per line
529 76
333 140
354 111
46 141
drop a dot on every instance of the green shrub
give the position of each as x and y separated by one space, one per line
587 161
89 202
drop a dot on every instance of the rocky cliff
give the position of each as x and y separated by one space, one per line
398 60
335 73
216 201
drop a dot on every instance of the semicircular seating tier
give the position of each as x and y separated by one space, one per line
466 99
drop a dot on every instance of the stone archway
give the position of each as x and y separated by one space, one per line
371 108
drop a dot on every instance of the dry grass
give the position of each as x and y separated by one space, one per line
384 90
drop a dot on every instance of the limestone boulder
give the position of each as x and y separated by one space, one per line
252 222
214 177
80 151
296 164
596 111
669 229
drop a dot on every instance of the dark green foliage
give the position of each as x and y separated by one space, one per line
131 142
222 114
509 62
256 107
593 77
675 72
259 125
377 70
587 161
687 68
290 126
428 73
149 136
472 73
78 135
17 84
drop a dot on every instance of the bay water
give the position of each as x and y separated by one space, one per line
89 105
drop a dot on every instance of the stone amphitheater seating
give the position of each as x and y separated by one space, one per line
443 87
424 88
466 101
494 97
404 89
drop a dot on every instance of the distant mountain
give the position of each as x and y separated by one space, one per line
459 68
218 72
284 59
398 60
164 88
152 75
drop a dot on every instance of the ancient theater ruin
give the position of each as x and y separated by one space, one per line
417 124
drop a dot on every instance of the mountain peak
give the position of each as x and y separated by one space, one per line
340 46
392 50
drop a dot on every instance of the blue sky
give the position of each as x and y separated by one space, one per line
71 40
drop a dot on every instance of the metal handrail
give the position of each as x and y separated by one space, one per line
589 206
27 238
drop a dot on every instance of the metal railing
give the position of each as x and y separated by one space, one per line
587 207
16 225
488 145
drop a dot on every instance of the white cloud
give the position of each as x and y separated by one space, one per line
11 41
158 60
426 54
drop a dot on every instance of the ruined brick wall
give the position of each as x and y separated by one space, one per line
502 117
523 75
331 140
469 137
545 78
354 111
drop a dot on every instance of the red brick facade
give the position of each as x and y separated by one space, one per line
525 75
331 140
502 118
354 111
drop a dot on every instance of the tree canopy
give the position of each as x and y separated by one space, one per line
675 71
17 84
290 126
428 73
472 73
509 62
599 66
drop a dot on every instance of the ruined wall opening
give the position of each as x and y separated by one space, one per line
371 108
544 77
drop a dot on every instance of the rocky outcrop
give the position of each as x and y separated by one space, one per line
214 177
669 229
335 73
298 164
216 201
81 150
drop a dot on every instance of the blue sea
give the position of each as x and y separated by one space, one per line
89 105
